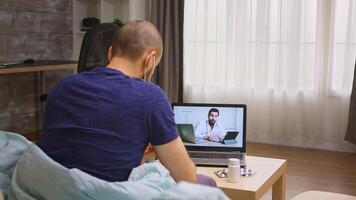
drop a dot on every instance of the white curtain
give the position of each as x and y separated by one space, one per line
290 61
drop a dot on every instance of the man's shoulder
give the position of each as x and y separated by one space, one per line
219 125
153 90
71 77
202 123
155 98
66 80
88 78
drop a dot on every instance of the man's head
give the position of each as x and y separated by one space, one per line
139 42
213 115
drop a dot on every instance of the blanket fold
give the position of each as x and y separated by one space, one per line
12 146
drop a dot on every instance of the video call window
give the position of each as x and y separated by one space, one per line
210 126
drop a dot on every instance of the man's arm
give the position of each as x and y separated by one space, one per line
219 133
175 158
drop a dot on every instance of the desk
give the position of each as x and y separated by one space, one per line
269 173
39 67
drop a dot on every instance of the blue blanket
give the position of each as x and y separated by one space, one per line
12 146
36 176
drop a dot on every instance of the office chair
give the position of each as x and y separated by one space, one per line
94 49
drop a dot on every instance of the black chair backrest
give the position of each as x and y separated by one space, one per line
95 46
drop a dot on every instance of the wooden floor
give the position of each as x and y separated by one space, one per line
310 169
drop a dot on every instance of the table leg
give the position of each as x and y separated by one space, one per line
38 105
279 188
42 89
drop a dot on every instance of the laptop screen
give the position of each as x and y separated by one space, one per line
211 126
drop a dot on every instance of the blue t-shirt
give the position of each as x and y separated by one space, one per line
101 122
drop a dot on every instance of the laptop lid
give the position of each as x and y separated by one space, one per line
186 132
230 137
216 120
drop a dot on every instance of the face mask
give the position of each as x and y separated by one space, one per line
148 78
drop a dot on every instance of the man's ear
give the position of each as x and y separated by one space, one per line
153 58
110 54
150 59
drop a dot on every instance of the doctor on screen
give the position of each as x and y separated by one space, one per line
210 129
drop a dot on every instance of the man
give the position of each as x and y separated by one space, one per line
210 129
101 121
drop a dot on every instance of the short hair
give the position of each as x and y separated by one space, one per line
213 110
136 37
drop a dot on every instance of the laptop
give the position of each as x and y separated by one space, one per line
230 137
186 132
192 119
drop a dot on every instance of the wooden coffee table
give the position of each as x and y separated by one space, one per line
270 172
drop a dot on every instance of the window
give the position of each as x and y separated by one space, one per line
270 44
343 56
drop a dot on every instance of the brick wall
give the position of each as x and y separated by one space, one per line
37 29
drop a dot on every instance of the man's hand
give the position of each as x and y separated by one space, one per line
212 138
174 157
206 138
149 149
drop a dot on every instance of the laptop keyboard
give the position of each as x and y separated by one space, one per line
214 154
213 158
